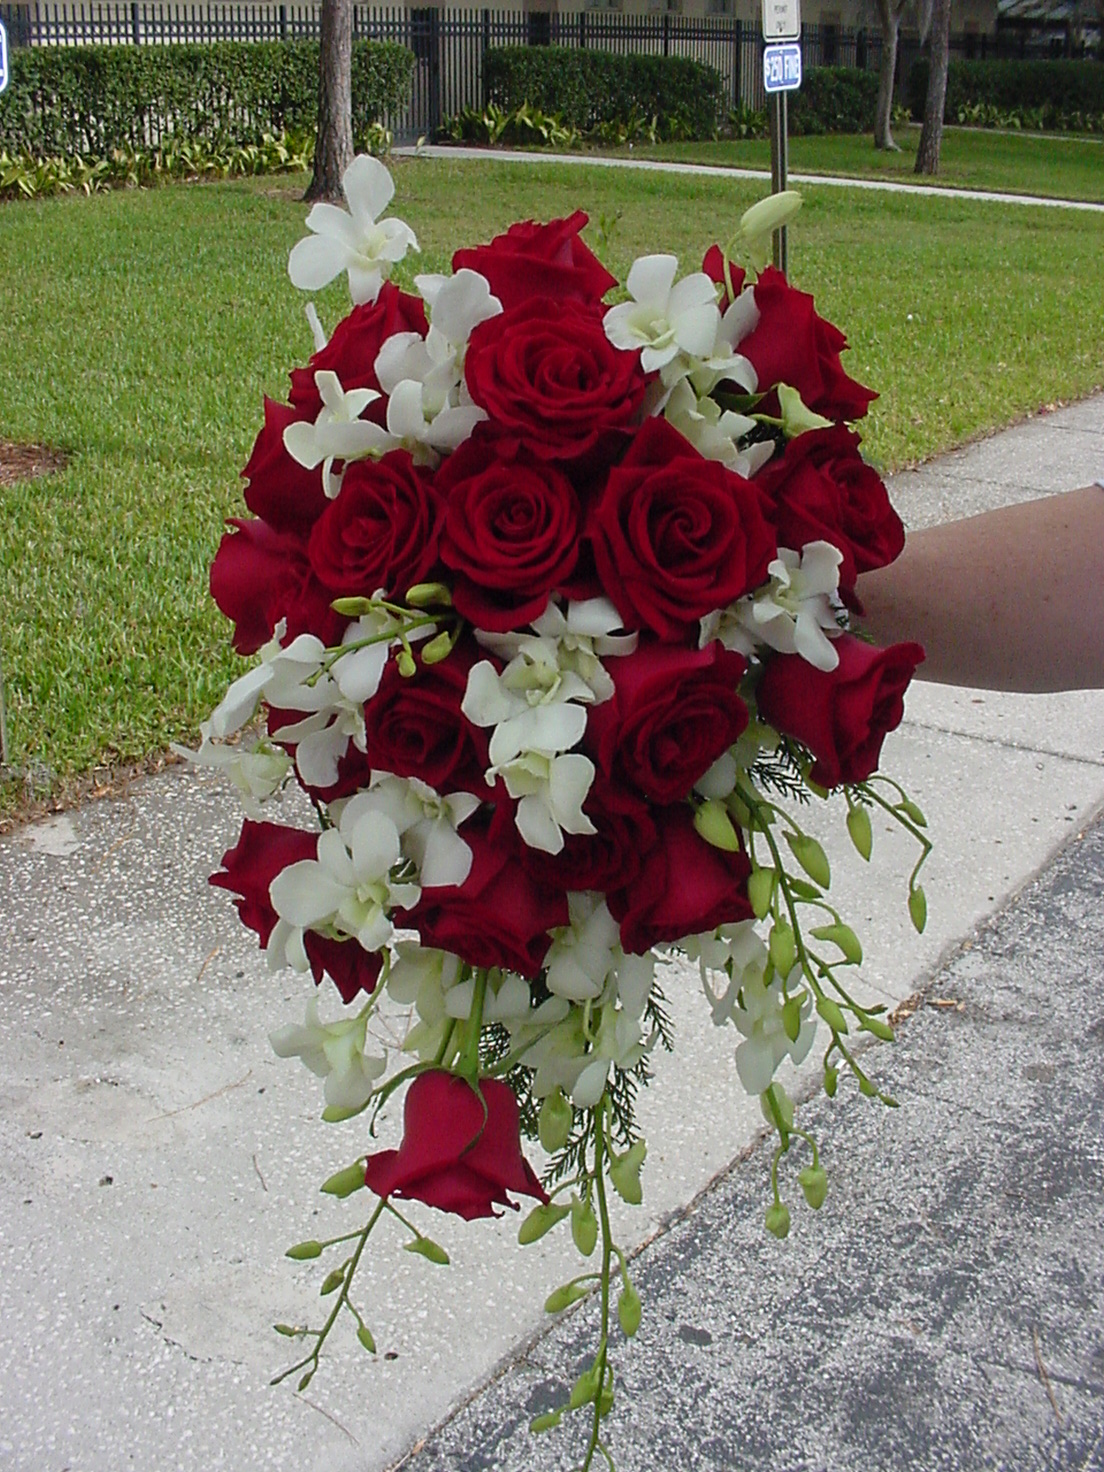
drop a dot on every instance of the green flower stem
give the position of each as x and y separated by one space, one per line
600 1362
468 1062
511 1060
340 1302
906 823
446 1045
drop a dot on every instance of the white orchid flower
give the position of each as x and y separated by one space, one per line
713 431
426 822
572 641
338 433
284 671
333 1051
357 240
665 317
348 889
736 952
796 612
585 960
257 769
758 1015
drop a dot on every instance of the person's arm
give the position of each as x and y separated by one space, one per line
1009 600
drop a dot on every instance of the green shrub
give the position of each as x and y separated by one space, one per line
834 99
587 89
1040 94
92 100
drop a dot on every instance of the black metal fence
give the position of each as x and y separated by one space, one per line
450 43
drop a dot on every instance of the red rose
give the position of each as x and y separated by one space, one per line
352 351
685 887
605 860
675 535
841 715
498 916
673 713
714 267
381 530
278 489
824 490
259 577
547 260
791 344
457 1153
546 371
511 532
248 869
416 728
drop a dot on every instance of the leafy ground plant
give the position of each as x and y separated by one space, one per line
149 375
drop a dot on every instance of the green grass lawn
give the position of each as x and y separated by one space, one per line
971 158
141 329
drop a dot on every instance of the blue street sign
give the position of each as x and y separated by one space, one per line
782 67
3 57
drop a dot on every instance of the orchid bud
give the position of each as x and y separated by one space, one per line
713 823
918 908
760 890
364 1334
539 1221
880 1029
554 1121
813 1181
344 1182
429 595
427 1248
303 1251
783 948
777 1220
832 1014
843 936
405 662
438 648
628 1310
858 826
812 858
584 1226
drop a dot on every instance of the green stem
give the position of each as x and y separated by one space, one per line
468 1062
607 1253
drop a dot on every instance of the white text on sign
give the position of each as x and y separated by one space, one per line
781 68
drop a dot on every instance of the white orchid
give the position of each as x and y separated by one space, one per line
338 433
357 240
736 952
665 318
257 769
585 960
425 821
759 1016
715 432
572 640
350 888
538 714
797 612
333 1051
286 677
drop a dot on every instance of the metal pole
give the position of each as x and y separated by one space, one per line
779 170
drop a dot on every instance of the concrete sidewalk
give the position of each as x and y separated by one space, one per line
159 1158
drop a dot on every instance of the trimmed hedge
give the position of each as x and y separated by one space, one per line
1061 88
834 99
588 88
90 100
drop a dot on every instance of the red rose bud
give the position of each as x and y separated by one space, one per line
841 715
823 490
531 259
675 535
791 344
453 1155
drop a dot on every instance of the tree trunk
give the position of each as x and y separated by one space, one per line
931 135
333 149
889 17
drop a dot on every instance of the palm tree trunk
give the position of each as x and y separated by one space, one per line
931 135
333 149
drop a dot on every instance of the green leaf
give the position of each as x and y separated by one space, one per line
782 947
584 1226
814 1183
713 823
760 891
364 1334
540 1220
628 1310
844 937
777 1220
862 834
425 1247
918 908
564 1296
344 1182
832 1014
302 1251
624 1172
812 858
554 1121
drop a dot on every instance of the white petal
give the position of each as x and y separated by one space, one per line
317 756
485 702
569 782
590 1084
696 329
303 894
813 645
375 846
537 826
358 674
650 278
755 1065
364 283
368 187
462 303
445 858
694 292
316 260
239 702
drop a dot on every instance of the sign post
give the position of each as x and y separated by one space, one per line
3 57
781 74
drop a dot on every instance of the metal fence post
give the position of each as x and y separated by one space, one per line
135 23
582 30
666 33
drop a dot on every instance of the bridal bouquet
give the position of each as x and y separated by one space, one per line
550 600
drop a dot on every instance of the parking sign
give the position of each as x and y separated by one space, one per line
781 68
3 57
